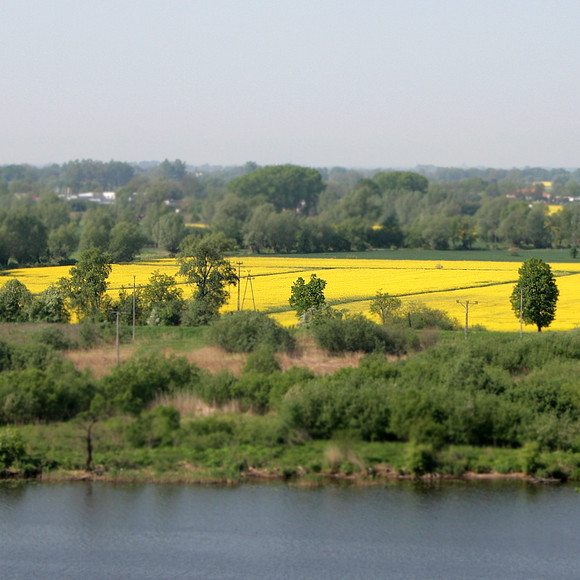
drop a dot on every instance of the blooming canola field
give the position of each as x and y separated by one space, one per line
352 283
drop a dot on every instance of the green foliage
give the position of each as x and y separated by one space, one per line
126 241
156 428
419 316
162 301
55 393
50 305
12 449
345 401
540 293
262 360
353 334
203 264
246 330
134 384
285 186
401 180
385 306
420 459
15 301
85 288
304 296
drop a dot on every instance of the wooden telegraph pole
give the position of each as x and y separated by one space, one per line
466 305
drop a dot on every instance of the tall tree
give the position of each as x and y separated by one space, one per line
385 306
203 264
306 295
86 287
285 186
537 286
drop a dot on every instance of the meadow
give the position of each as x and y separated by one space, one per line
352 282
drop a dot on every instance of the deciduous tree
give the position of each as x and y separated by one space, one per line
385 306
537 286
86 287
203 264
306 295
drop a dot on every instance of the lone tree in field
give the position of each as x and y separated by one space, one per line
304 296
203 265
385 306
538 289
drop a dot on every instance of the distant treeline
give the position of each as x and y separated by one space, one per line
281 209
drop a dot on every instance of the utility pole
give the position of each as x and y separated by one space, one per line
133 307
239 282
249 279
466 305
117 314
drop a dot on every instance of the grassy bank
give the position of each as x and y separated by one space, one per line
228 448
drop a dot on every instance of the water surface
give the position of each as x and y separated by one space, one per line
402 531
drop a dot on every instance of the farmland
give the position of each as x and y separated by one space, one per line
353 282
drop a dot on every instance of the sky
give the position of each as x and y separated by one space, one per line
321 83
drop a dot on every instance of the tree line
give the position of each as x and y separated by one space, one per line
281 209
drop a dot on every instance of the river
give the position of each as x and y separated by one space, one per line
507 530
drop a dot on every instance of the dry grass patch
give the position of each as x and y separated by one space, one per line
99 361
216 360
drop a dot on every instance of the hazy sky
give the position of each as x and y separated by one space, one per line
365 83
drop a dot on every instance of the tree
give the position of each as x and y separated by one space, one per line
170 231
402 180
62 242
85 288
50 305
203 265
162 300
126 241
538 288
285 186
15 301
304 296
385 306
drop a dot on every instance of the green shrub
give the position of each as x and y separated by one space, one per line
56 393
131 386
12 448
15 301
345 401
252 390
262 360
420 459
244 331
156 428
215 389
352 334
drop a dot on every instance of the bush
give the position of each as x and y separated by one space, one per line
134 384
345 401
244 331
56 393
156 428
353 334
12 448
420 459
262 360
15 301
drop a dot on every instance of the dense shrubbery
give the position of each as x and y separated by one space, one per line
492 390
244 331
134 384
358 333
55 393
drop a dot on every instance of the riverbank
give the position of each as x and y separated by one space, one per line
302 463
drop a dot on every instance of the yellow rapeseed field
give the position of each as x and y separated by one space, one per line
352 283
